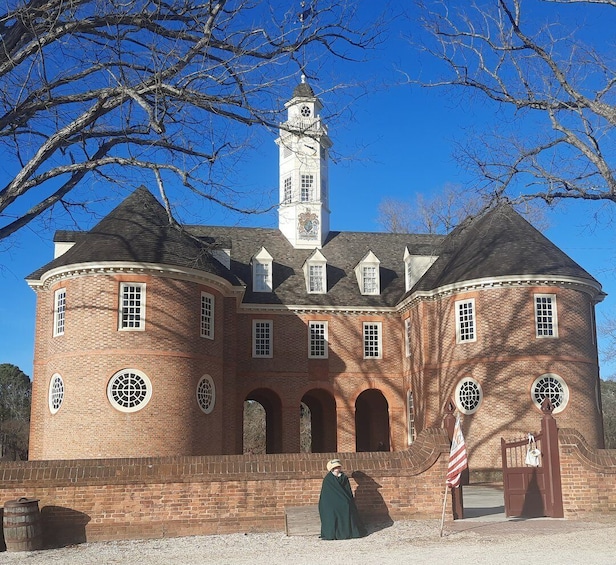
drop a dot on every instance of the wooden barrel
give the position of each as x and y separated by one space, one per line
22 526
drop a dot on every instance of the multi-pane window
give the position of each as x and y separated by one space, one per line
468 395
132 306
465 321
129 390
411 414
261 338
262 277
207 315
59 312
288 190
545 315
407 337
307 183
372 340
553 387
370 279
316 278
317 340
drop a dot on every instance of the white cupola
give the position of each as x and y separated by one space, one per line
303 143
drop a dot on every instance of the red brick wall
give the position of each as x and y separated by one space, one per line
588 476
505 359
136 498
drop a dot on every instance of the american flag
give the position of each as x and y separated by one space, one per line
458 460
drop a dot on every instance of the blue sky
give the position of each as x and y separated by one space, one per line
391 143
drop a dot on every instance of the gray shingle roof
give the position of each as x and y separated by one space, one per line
499 243
137 230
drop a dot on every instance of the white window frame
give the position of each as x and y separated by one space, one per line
464 385
262 267
318 339
410 407
56 393
306 187
541 316
463 325
206 394
138 316
557 385
207 315
407 337
259 350
373 348
368 273
135 375
59 312
316 278
287 190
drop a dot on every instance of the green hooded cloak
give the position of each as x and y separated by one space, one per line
339 516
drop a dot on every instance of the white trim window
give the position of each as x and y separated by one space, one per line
262 271
317 340
315 272
372 340
56 393
59 312
287 189
207 315
468 395
410 403
306 188
132 306
367 272
206 394
129 390
546 320
262 338
552 386
465 321
407 337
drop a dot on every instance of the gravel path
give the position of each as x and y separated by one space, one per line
557 542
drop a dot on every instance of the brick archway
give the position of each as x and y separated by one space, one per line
322 406
272 405
372 421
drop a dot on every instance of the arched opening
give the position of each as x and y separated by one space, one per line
371 422
323 432
262 431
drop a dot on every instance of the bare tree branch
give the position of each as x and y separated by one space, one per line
555 84
115 88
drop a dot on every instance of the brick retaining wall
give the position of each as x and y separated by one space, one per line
588 476
107 499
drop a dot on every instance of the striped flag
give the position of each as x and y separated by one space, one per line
458 460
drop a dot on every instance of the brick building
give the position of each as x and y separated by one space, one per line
150 338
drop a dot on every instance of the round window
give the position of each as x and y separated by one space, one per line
56 393
129 390
553 387
206 394
468 395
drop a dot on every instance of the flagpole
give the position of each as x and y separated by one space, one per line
444 505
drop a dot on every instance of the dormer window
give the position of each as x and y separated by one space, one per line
415 267
315 273
368 275
262 271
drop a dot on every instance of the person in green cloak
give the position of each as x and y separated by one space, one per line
339 516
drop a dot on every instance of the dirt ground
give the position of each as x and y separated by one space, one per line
556 542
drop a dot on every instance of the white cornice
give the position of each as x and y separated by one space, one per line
123 267
584 285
